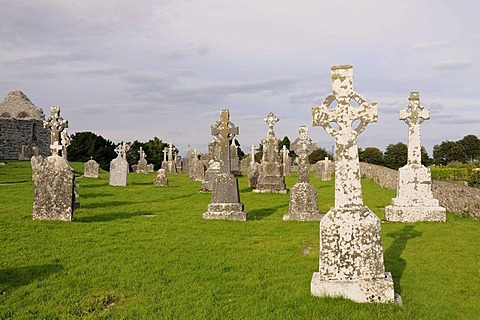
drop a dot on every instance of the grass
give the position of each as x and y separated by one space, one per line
143 252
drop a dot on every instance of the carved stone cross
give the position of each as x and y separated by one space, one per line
224 131
141 153
350 122
414 115
55 124
122 149
271 120
170 152
303 146
165 151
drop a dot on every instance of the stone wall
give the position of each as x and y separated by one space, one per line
18 136
459 199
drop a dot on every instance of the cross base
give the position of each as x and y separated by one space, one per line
415 213
362 290
225 211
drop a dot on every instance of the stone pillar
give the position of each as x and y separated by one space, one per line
225 203
351 253
414 201
303 205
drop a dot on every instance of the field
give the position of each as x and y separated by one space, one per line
141 252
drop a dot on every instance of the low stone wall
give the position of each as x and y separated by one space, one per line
459 199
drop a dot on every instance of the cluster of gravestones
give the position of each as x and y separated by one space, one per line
351 255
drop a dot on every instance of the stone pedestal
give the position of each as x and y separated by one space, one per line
225 203
414 201
54 194
118 172
303 204
351 257
141 166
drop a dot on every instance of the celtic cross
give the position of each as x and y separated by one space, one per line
224 131
303 146
414 115
55 124
271 120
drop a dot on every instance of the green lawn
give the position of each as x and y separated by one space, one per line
141 252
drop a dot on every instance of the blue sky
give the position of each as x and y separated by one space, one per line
132 70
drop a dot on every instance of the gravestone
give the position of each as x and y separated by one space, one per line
303 205
164 162
54 179
351 253
414 201
225 203
187 159
197 167
286 161
142 162
150 167
119 166
171 165
91 168
213 168
253 169
324 169
36 161
235 162
161 179
270 179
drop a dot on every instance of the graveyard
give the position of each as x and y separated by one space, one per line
141 251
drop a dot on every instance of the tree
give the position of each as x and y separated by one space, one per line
395 155
154 150
471 147
448 151
318 155
426 160
371 155
84 145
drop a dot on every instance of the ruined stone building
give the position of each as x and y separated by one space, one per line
21 128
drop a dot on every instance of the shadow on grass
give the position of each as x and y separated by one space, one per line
103 204
245 190
261 213
20 276
182 196
95 195
397 265
111 216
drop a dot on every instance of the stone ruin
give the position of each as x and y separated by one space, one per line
142 162
21 128
271 178
196 167
225 203
161 179
91 168
414 201
351 253
252 169
303 205
119 166
54 179
324 169
286 161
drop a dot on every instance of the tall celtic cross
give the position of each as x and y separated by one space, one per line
271 120
170 152
141 153
303 146
122 149
350 122
55 124
224 131
414 115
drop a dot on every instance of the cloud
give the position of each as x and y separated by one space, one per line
423 46
452 64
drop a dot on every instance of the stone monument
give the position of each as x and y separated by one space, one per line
286 161
196 167
324 169
119 166
171 165
142 162
252 169
225 203
91 168
161 179
271 178
54 179
351 253
303 205
36 161
414 201
213 168
234 159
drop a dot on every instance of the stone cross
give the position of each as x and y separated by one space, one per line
350 122
414 115
170 152
271 120
55 124
224 131
141 153
326 164
165 151
252 154
65 142
122 149
303 146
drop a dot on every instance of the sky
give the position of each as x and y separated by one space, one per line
134 70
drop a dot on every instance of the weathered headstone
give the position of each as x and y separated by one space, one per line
286 161
213 168
171 165
253 169
303 205
164 162
91 168
235 162
150 167
324 169
36 161
142 162
351 253
197 167
225 203
119 166
187 159
54 179
414 201
270 179
161 179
